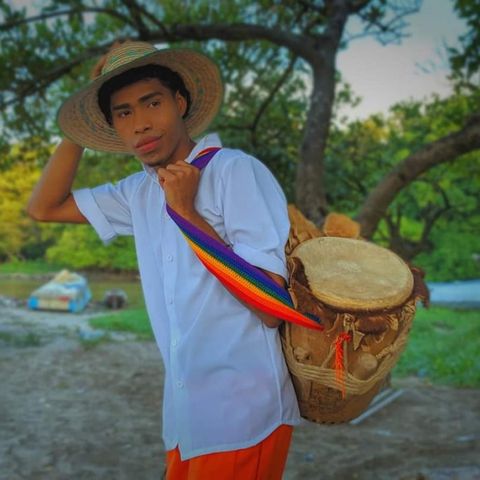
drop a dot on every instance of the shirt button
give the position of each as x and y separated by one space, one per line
174 343
170 301
170 258
180 384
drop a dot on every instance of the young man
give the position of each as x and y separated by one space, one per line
229 404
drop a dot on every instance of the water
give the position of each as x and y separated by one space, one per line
461 294
21 288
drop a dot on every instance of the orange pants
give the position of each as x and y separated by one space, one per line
264 461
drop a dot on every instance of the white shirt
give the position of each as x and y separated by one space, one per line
226 383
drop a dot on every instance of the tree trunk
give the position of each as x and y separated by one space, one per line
445 149
310 185
310 189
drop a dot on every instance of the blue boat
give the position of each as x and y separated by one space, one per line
67 291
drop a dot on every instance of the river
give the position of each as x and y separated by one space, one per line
458 294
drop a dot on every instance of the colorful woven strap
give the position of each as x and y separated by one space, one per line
245 280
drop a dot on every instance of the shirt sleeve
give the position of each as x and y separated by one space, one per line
255 214
107 208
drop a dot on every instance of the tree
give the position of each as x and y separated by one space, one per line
19 235
465 59
308 33
442 150
445 197
79 247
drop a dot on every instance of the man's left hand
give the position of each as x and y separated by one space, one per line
180 184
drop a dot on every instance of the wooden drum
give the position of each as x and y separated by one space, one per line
358 289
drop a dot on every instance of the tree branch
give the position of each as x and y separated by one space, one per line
136 13
270 98
151 17
336 15
45 16
393 26
300 45
445 149
430 220
39 84
355 6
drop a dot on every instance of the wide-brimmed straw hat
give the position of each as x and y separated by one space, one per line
82 121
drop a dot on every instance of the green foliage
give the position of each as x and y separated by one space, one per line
30 267
452 256
360 153
79 247
355 162
22 340
268 128
99 167
20 237
134 321
443 346
465 59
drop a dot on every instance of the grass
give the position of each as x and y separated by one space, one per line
132 320
443 347
29 267
29 339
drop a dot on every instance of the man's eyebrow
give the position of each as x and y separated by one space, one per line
143 99
148 96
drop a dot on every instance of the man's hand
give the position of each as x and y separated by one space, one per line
180 184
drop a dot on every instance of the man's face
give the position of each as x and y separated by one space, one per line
148 118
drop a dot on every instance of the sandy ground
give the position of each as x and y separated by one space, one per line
70 411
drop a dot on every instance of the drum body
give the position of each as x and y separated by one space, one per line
357 289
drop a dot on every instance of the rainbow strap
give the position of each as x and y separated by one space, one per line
240 277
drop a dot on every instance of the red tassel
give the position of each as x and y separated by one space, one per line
339 368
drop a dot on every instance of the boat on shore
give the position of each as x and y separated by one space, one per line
67 291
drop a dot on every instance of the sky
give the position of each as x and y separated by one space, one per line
416 68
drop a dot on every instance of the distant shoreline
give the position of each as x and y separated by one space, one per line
90 274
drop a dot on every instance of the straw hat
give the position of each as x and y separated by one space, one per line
81 119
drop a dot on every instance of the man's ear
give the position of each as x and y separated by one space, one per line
181 103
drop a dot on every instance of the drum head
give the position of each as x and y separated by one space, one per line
354 274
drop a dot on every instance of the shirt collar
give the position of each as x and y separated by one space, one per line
210 140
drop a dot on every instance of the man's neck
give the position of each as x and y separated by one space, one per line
183 151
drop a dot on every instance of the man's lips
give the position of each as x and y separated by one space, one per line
147 144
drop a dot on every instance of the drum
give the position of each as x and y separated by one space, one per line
366 296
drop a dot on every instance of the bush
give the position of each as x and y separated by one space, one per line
80 248
452 257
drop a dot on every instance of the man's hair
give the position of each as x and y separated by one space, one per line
169 79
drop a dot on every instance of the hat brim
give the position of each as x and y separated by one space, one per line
82 121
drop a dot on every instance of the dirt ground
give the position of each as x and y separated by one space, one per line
69 410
